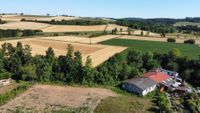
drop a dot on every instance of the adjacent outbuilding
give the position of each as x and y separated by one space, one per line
141 86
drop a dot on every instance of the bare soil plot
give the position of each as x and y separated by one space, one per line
73 28
45 98
24 25
98 53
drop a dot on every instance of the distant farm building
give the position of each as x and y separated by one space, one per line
141 86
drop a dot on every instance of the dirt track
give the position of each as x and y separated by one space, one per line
45 98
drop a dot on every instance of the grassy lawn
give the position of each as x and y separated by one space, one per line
192 51
126 104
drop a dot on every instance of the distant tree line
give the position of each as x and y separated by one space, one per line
189 29
69 68
17 33
161 25
72 22
192 19
153 26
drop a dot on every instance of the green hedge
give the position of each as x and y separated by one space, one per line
5 75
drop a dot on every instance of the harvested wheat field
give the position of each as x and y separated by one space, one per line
98 53
77 39
138 33
110 27
77 28
58 18
46 98
17 18
24 25
74 28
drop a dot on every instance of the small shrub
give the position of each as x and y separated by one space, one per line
98 34
55 34
190 41
23 19
171 40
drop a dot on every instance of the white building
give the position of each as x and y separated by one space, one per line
141 86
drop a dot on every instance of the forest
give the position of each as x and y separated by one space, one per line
189 29
18 63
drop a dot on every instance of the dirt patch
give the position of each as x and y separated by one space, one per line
45 98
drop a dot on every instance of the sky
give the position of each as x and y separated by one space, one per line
105 8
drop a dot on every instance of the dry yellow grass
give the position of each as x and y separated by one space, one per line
76 39
113 26
23 25
73 28
46 98
98 53
59 18
17 18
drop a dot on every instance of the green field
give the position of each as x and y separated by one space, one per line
191 51
187 23
126 104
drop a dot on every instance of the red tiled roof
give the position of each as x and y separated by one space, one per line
157 76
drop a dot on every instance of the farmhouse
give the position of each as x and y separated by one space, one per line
141 86
148 82
158 76
170 73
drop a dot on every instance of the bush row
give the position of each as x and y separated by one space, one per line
17 33
189 41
